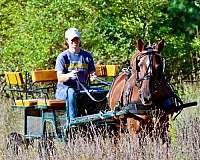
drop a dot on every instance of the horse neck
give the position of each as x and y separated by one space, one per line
116 90
120 87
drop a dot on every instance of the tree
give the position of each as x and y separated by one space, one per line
32 31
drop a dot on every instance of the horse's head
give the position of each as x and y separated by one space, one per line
149 68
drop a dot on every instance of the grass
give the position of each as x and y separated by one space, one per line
184 132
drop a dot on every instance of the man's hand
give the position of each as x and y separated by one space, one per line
93 76
64 77
72 74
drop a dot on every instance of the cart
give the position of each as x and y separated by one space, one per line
33 95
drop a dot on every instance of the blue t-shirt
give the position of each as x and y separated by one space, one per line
83 62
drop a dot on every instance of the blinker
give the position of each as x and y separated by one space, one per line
137 66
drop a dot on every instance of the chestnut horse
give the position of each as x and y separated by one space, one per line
143 83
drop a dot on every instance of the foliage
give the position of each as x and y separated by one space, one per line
31 34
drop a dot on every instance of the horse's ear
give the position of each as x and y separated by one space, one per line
140 45
160 45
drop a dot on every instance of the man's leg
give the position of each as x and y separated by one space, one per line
72 108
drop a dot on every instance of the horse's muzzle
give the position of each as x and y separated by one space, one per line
146 100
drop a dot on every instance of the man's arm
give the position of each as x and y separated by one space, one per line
61 70
64 77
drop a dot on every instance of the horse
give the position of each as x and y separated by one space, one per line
143 83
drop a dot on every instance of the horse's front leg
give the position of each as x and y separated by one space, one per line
133 127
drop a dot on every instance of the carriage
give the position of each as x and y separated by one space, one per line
102 103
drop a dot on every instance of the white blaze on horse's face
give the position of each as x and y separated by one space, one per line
145 75
143 65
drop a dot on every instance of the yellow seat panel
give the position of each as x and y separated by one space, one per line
107 70
112 70
26 103
14 78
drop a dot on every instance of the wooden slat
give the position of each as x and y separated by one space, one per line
107 70
27 102
52 103
14 78
44 75
101 70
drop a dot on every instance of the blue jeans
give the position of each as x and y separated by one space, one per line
69 96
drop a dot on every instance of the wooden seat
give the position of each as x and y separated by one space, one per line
39 76
26 103
17 87
51 103
40 110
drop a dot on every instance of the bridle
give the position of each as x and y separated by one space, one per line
150 52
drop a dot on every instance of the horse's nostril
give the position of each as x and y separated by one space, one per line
147 99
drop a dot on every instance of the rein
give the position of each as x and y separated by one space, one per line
103 82
87 92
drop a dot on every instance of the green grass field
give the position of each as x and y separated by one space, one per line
184 134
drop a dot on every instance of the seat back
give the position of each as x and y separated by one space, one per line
107 70
40 90
45 81
44 75
18 90
14 78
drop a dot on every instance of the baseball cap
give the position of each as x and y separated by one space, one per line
72 33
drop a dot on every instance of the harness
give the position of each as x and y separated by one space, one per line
146 76
128 73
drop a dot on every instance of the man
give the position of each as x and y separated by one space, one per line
73 65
